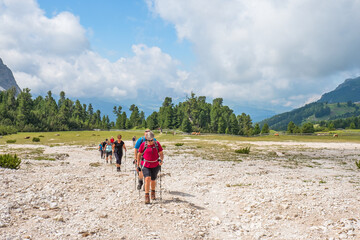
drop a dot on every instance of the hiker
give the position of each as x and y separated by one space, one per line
151 157
118 151
101 150
134 141
108 150
137 145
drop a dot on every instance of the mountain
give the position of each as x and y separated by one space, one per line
343 102
7 79
347 91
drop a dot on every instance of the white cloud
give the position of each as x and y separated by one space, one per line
268 49
54 54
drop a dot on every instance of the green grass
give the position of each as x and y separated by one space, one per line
211 140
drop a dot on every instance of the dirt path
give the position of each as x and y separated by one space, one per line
287 191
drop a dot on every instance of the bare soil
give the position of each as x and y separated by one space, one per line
291 190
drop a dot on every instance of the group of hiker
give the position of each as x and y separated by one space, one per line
148 158
110 147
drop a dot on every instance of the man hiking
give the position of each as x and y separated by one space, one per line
137 145
118 147
151 158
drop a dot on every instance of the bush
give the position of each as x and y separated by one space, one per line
179 144
35 139
245 150
41 136
10 161
11 141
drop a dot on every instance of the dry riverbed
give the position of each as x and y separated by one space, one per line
291 190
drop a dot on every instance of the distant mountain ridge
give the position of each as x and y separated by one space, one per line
336 104
349 90
7 79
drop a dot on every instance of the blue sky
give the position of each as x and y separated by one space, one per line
114 26
264 56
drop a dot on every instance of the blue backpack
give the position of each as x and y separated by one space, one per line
108 148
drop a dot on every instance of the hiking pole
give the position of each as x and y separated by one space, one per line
125 162
160 186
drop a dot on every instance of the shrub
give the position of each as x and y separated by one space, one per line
35 139
10 161
179 144
41 136
11 141
357 163
245 150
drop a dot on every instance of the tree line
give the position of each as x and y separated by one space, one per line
192 115
23 113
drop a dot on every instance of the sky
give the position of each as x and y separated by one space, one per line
267 54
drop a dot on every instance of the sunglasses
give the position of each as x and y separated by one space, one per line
150 140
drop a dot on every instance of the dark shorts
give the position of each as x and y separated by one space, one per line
108 154
118 157
151 172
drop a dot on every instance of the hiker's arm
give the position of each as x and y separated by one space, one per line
161 154
124 147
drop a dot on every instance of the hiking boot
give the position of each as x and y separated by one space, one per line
140 184
147 198
118 169
153 195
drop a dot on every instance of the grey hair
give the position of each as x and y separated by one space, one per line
149 135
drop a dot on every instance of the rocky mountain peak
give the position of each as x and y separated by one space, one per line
7 79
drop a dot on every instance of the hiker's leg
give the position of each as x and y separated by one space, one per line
152 184
147 184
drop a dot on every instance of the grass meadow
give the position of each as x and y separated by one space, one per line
93 138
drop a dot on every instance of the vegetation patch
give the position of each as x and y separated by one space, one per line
48 158
10 161
357 163
238 185
36 139
94 164
179 144
11 141
245 150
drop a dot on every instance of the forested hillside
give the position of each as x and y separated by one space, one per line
313 112
23 113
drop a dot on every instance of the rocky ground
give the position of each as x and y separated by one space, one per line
279 191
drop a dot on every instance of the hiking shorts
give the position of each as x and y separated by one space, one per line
118 157
151 172
108 154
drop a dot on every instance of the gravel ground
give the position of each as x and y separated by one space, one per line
285 191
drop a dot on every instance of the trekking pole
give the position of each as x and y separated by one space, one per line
125 162
160 186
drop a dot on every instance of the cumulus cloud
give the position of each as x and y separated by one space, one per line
55 54
283 51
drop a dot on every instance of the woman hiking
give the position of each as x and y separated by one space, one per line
108 150
136 151
151 157
118 147
101 150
